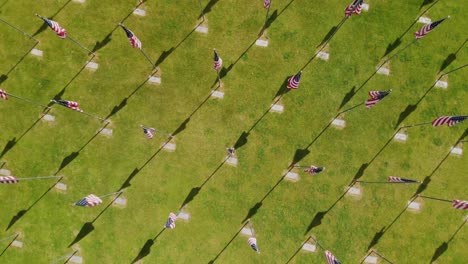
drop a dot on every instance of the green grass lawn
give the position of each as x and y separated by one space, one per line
158 182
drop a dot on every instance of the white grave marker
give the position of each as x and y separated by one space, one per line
202 29
323 55
277 108
49 118
217 94
17 244
232 161
384 71
246 231
76 259
79 1
309 247
120 201
354 191
5 172
441 84
340 123
261 42
184 216
106 131
424 20
414 206
154 79
91 65
37 52
456 151
365 7
61 186
170 146
292 176
139 12
370 259
400 137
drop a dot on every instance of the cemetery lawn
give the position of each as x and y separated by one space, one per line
156 182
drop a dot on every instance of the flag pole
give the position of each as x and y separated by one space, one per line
27 100
39 178
68 256
398 52
80 45
85 113
158 131
110 194
386 182
415 125
351 108
434 198
148 58
24 33
266 18
316 242
8 237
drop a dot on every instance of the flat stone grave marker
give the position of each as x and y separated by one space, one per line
202 29
5 172
232 161
414 206
371 259
61 186
365 7
76 259
184 216
383 70
323 55
106 131
441 84
49 118
309 247
400 137
292 176
139 12
217 94
340 123
91 65
154 79
246 231
17 244
170 146
261 42
277 108
354 191
79 1
424 20
456 151
36 52
121 201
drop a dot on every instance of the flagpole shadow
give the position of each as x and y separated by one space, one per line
88 227
70 257
444 246
21 213
12 142
146 249
298 250
4 77
227 245
8 246
451 57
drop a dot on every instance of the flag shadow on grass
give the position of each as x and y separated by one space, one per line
9 244
208 7
21 213
4 77
333 30
44 26
146 249
392 46
12 142
166 54
444 246
108 38
88 227
451 57
227 245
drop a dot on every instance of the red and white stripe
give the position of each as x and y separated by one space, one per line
266 4
135 42
93 200
8 179
60 31
441 120
459 204
74 105
3 94
331 259
354 8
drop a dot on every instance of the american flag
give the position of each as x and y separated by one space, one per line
398 179
90 200
8 179
70 104
449 120
3 94
375 97
458 204
218 62
60 31
170 223
427 28
134 41
293 82
314 170
266 4
354 8
148 132
330 258
253 244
